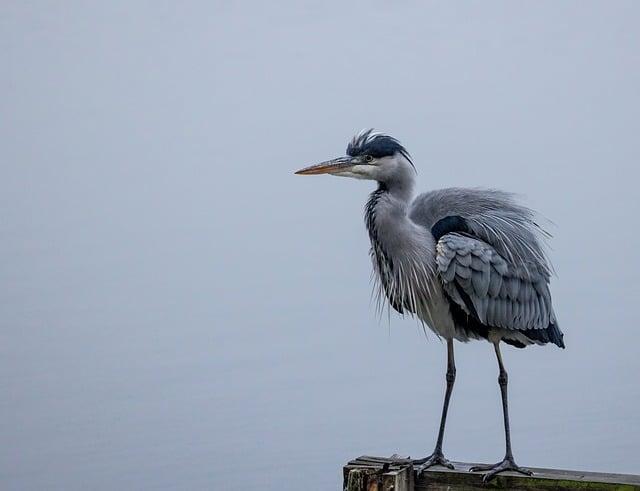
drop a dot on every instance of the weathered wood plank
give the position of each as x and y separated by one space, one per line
438 478
378 474
387 473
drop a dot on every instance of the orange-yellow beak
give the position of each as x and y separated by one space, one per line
328 167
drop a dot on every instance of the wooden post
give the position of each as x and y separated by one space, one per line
378 474
395 473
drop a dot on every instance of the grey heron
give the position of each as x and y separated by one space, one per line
468 263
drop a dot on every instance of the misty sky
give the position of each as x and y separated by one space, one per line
179 311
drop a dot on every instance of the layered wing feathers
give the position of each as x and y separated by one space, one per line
485 285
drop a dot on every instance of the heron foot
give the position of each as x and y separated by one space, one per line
508 464
436 458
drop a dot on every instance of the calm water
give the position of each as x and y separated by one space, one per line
178 311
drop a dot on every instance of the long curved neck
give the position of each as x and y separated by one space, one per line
386 215
401 182
401 250
386 212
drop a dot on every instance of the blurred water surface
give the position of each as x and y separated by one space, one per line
178 311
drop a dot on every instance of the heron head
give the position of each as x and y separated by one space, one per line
370 155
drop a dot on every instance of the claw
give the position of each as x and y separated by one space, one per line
434 459
506 465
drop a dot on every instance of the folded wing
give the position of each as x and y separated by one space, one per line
494 291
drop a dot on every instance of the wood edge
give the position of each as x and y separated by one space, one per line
462 469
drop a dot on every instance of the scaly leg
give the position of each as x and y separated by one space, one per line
508 463
437 457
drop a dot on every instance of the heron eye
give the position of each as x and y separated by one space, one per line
368 158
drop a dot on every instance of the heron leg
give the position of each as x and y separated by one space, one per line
508 463
437 457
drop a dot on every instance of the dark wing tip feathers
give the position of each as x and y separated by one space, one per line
550 334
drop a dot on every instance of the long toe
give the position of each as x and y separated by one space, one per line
493 470
435 459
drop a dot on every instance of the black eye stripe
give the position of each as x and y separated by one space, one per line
376 145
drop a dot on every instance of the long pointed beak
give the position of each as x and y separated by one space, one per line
328 167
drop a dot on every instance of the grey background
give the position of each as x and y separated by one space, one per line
177 310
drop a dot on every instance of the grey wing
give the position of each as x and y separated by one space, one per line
488 287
